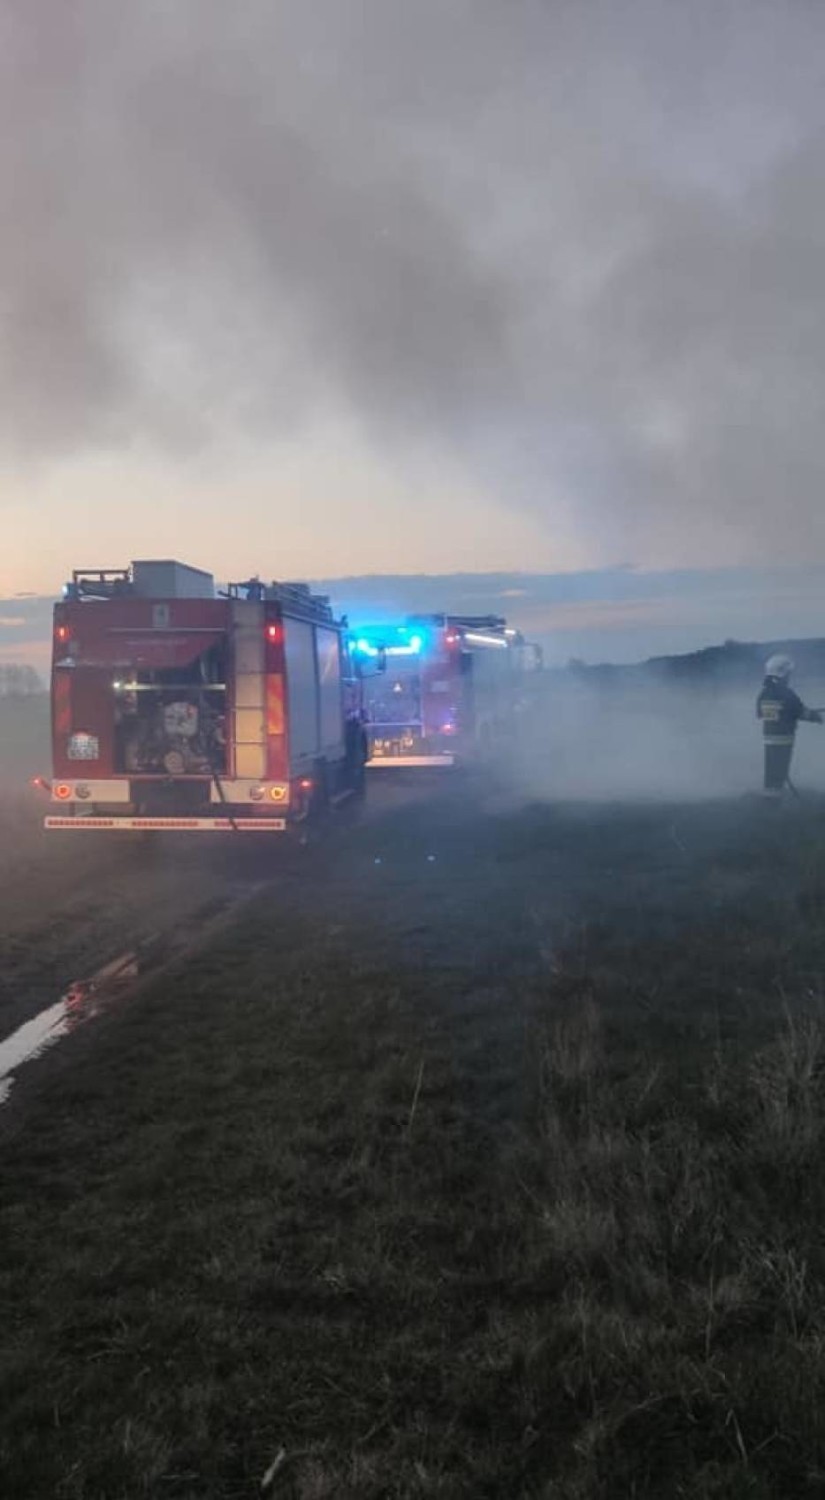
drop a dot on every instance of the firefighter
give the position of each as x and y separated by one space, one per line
780 710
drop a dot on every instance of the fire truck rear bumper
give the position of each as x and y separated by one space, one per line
70 791
239 824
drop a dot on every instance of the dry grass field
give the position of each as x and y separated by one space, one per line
478 1154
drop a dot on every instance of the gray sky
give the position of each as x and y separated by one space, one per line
616 615
340 287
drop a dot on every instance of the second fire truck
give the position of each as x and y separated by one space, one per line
440 690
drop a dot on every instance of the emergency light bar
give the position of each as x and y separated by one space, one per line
389 640
484 640
411 650
367 647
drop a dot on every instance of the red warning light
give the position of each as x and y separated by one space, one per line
62 791
305 784
273 634
62 632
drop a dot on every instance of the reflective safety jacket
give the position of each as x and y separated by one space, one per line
780 710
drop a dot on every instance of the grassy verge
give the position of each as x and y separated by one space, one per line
498 1177
25 738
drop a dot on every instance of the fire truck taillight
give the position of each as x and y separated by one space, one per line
62 634
273 634
260 793
63 791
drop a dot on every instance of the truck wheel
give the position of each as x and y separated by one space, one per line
319 800
359 769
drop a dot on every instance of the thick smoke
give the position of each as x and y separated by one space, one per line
575 247
652 742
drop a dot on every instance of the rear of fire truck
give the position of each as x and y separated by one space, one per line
439 690
178 707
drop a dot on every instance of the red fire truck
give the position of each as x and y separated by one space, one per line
440 689
176 706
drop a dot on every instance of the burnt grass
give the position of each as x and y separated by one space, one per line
493 1174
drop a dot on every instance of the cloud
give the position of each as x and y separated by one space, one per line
12 622
576 249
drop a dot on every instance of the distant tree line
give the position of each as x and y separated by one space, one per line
733 665
19 681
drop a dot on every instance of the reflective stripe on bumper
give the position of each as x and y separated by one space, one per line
181 825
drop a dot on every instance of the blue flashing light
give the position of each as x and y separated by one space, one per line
394 640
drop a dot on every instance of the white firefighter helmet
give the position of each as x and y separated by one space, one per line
778 666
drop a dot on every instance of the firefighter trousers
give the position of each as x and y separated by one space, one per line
778 758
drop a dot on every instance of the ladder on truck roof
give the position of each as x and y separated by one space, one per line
461 622
295 599
98 583
298 599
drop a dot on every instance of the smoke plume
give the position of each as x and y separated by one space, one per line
576 248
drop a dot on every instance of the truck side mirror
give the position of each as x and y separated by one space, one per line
359 666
